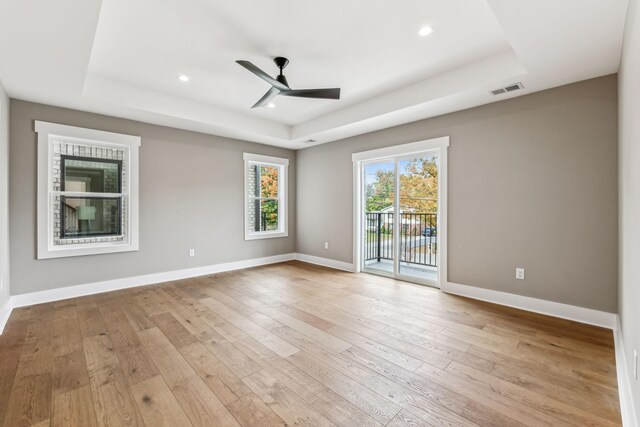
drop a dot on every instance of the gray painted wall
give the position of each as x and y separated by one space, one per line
4 196
191 196
629 288
532 183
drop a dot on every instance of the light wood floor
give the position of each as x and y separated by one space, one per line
297 344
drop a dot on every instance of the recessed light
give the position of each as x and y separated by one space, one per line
183 78
271 105
425 31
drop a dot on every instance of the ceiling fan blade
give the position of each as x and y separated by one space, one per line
333 93
264 76
271 93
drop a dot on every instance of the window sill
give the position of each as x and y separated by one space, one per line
266 235
82 249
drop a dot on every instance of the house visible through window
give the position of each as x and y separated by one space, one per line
266 199
91 197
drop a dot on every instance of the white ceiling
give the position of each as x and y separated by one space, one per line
122 57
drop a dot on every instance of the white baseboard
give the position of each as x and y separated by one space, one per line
556 309
627 407
67 292
5 312
565 311
326 262
570 312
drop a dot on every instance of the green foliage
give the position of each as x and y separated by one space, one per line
269 188
418 187
379 194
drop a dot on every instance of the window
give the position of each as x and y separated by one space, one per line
265 183
91 197
87 191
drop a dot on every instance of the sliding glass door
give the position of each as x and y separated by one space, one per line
400 216
418 211
378 204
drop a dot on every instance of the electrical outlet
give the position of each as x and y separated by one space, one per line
326 245
192 252
635 364
520 273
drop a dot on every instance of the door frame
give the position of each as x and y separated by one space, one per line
439 145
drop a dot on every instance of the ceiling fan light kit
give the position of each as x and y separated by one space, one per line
280 86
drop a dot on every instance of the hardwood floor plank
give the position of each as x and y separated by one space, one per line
278 345
488 396
112 399
74 408
386 352
173 330
436 394
377 407
237 362
67 337
598 372
11 342
324 400
121 332
284 402
386 388
226 385
30 400
173 367
511 318
150 302
537 401
225 329
157 404
400 345
90 319
596 352
250 410
136 364
37 351
319 335
137 318
600 402
69 372
407 419
299 344
566 380
202 406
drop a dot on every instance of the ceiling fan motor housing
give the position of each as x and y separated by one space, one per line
281 62
282 79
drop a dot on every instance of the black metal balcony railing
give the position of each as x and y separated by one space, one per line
418 237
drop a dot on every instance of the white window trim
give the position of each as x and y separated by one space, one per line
438 145
401 150
283 196
47 134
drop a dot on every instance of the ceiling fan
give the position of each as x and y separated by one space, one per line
280 86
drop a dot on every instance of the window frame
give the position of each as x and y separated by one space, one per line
50 134
283 185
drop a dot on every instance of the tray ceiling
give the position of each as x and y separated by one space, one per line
123 58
